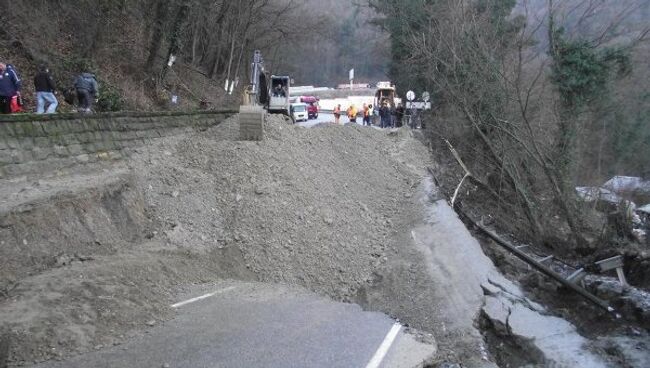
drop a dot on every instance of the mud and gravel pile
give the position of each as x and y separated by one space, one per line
313 207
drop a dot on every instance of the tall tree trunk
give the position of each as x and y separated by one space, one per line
156 38
175 34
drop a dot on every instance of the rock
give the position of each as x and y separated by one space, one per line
63 260
639 235
238 198
644 209
498 312
489 289
628 184
448 365
151 323
175 194
165 365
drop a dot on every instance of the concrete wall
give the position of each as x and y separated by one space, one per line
32 144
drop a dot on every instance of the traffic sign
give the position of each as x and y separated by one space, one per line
419 105
410 95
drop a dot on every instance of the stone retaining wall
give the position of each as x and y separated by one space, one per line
33 144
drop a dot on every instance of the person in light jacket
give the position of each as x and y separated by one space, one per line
87 89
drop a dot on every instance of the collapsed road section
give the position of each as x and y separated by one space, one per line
97 253
98 256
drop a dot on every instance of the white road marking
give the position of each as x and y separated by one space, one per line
180 304
380 354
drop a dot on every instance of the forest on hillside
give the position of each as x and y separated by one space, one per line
128 43
537 97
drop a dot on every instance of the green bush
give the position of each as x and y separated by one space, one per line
109 98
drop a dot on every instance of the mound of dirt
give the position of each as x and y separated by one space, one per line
314 207
307 206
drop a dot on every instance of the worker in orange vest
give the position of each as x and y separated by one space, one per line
337 114
352 114
366 115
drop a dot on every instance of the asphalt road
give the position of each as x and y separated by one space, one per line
325 118
260 325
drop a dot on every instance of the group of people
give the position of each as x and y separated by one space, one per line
85 87
388 116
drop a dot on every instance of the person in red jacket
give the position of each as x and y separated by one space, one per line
10 84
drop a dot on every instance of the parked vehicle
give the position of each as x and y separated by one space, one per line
299 112
385 95
312 106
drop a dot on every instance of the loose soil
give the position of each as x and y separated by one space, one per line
320 208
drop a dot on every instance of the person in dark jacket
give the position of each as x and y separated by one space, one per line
87 88
384 115
10 84
400 115
45 91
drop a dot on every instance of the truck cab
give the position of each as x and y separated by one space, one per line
385 94
312 105
279 100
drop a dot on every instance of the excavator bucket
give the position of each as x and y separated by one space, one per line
251 123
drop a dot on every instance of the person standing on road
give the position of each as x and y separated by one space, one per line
337 114
87 88
366 115
400 115
45 91
352 114
384 115
10 84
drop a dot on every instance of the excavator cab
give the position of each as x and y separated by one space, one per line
279 96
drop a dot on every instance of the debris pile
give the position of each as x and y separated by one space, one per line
621 195
313 207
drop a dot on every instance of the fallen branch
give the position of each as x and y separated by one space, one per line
453 199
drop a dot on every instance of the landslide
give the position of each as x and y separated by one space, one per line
314 207
308 206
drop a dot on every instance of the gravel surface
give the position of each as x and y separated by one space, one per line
313 207
307 206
